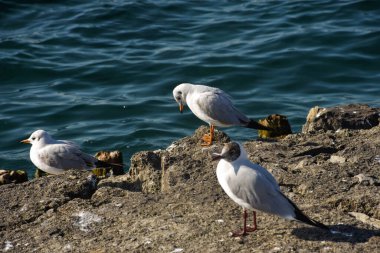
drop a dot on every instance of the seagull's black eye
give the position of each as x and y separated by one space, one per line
33 138
178 98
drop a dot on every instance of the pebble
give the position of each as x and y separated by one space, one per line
337 159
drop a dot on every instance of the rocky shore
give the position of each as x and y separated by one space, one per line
170 201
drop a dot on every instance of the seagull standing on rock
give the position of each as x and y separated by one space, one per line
56 156
213 106
254 188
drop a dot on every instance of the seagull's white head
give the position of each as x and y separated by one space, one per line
38 138
230 152
180 92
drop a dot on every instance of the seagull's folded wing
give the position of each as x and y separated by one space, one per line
260 192
65 156
218 106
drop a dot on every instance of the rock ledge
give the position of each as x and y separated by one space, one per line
171 201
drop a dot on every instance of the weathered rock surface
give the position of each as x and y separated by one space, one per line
115 158
279 124
171 201
354 116
13 176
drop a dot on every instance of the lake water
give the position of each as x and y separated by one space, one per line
101 73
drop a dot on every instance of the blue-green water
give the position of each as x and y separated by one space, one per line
101 73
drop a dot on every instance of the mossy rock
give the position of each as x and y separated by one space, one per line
279 124
13 176
39 173
114 158
101 172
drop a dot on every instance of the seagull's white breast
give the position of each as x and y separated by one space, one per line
38 162
225 173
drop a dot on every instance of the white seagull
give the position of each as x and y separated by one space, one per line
254 188
213 106
56 156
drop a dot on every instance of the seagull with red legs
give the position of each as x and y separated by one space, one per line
254 188
214 106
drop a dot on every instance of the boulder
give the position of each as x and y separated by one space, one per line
279 123
13 176
115 158
353 116
161 170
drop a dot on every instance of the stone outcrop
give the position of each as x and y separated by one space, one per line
161 170
170 201
354 116
279 124
13 176
115 158
25 203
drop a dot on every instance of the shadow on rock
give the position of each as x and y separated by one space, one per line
340 233
124 185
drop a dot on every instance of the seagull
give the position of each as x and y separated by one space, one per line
56 156
213 106
254 188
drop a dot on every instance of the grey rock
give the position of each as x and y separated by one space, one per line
115 158
13 176
353 116
171 200
26 202
337 159
160 170
367 180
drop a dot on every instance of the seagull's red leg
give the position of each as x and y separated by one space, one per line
243 232
208 138
254 227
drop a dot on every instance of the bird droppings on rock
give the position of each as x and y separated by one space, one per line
85 219
68 248
8 246
177 250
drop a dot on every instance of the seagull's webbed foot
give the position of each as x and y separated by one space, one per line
207 138
254 227
251 229
239 233
246 229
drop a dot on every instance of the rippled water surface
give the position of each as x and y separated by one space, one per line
101 73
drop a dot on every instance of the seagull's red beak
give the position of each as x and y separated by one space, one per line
180 107
26 141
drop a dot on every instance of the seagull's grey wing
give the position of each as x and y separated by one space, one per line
65 156
264 172
218 105
260 192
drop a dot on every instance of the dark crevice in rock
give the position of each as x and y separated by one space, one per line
317 151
